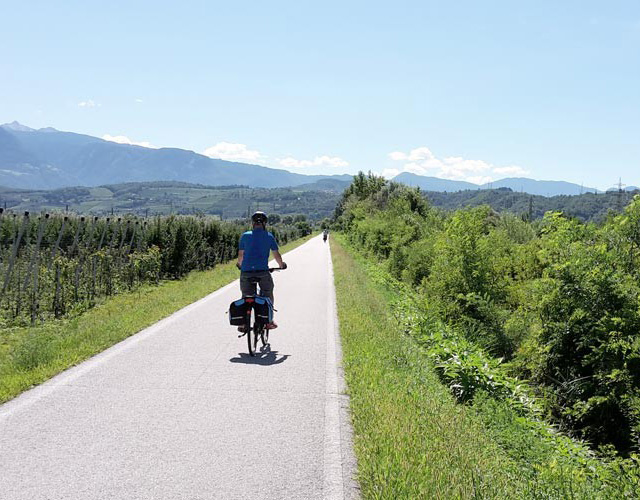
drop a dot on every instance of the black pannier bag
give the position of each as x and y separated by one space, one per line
263 309
238 312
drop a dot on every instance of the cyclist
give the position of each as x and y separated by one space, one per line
325 235
253 259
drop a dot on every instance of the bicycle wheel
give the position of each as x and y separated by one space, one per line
264 335
250 343
256 334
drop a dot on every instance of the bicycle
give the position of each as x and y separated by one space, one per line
259 329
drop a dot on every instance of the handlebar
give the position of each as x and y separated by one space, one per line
271 269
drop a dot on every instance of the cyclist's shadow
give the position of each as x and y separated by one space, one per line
265 357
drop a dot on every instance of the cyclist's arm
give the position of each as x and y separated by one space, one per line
278 257
240 257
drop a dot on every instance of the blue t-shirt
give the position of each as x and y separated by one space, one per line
256 245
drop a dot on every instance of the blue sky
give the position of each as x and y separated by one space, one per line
471 90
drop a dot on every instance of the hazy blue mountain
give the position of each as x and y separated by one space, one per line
544 188
21 168
433 183
17 127
517 184
48 158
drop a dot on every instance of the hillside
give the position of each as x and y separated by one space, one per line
586 207
520 184
141 198
49 159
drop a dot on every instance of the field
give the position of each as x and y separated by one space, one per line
58 265
152 198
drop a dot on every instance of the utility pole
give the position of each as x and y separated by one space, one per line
620 193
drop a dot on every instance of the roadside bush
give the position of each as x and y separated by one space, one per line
557 299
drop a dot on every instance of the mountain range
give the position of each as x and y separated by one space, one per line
517 184
48 158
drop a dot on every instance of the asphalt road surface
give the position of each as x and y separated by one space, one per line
180 410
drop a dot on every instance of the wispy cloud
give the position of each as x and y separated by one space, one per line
233 152
318 161
123 139
422 161
139 100
89 103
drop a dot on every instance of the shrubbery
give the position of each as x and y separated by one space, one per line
557 300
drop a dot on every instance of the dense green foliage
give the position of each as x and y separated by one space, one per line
55 265
411 438
556 302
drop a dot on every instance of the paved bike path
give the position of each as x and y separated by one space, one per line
180 411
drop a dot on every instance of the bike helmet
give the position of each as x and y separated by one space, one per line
259 218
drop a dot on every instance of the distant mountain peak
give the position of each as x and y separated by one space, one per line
17 127
47 158
516 184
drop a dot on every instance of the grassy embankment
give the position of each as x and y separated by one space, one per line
29 356
413 440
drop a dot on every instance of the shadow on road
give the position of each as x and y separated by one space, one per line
264 357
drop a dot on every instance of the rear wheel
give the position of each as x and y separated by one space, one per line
250 343
256 334
252 351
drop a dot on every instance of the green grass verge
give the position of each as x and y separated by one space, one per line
413 440
29 356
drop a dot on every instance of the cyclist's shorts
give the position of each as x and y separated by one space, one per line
265 283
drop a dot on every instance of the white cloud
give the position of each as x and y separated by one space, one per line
89 103
318 161
139 100
422 161
389 173
122 139
233 152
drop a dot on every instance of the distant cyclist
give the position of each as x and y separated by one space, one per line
325 235
253 259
